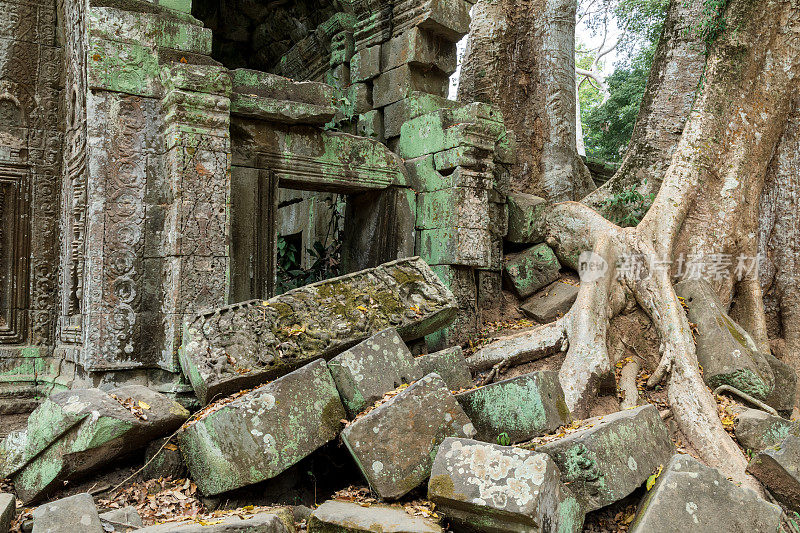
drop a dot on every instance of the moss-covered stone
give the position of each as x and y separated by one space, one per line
531 270
525 218
613 456
450 365
263 432
519 408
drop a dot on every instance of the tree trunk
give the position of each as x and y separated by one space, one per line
668 98
520 56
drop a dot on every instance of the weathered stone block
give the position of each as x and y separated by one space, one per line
521 408
167 464
275 98
725 351
367 371
778 468
446 18
270 522
111 431
400 82
476 125
394 444
486 487
360 97
783 392
365 64
65 515
420 49
551 302
458 207
8 509
457 246
424 177
347 517
124 519
525 218
370 124
756 430
689 496
263 432
242 345
461 282
614 456
417 104
529 271
450 365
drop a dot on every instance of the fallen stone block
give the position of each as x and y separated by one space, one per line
450 365
394 444
516 409
524 346
525 218
551 302
243 345
163 460
725 351
689 496
778 469
347 517
756 429
259 522
122 421
75 513
783 392
613 456
367 371
262 432
529 271
486 487
8 508
121 519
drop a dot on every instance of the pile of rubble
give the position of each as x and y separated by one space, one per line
407 422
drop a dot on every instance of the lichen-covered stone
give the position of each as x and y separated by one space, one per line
450 365
367 371
124 519
756 429
416 104
529 271
111 431
242 345
783 392
275 98
725 351
365 64
418 48
778 468
551 302
398 83
689 496
525 218
521 408
348 517
613 456
394 444
67 515
263 432
486 487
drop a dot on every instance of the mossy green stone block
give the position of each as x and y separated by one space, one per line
184 6
519 408
417 104
457 246
525 218
262 433
456 207
529 271
757 430
423 176
123 67
365 64
394 444
370 369
450 365
613 456
486 487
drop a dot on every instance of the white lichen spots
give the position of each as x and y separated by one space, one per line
448 417
354 364
632 464
377 467
256 433
469 429
691 507
269 441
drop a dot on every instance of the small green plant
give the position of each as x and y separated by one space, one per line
712 22
503 439
627 207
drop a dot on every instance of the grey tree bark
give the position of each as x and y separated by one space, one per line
520 56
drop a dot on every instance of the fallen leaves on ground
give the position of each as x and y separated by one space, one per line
490 333
136 408
158 500
362 496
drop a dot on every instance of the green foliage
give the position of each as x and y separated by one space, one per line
324 254
607 127
627 207
503 439
712 22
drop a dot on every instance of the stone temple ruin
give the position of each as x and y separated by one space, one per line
157 159
152 144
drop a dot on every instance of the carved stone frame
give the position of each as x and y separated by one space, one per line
14 179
